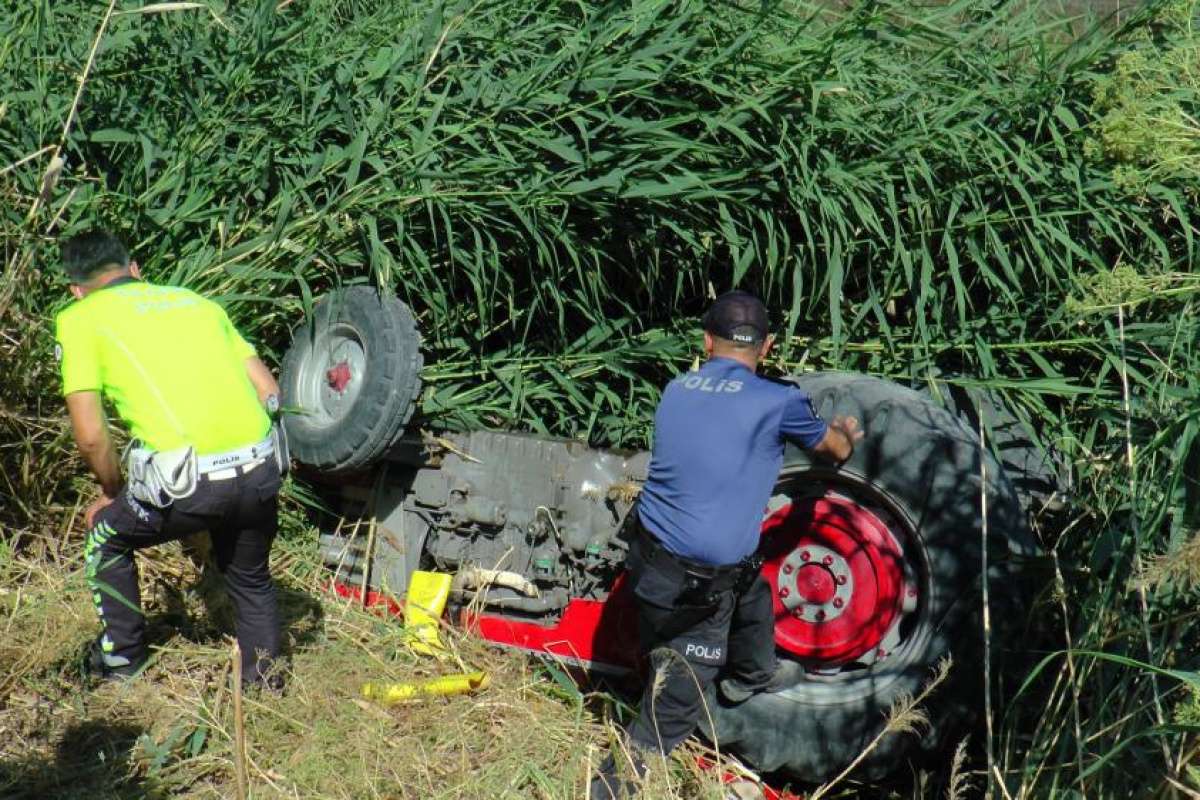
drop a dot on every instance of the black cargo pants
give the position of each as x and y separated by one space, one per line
693 632
240 514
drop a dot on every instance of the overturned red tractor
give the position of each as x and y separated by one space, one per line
876 567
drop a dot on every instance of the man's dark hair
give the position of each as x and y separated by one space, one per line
88 254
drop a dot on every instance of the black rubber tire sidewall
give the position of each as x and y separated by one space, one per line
926 463
391 383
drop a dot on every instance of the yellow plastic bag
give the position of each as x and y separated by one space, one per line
427 595
391 693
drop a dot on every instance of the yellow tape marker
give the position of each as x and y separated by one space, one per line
392 693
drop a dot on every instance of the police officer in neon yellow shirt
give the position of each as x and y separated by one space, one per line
195 399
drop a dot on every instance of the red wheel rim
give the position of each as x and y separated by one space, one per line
338 377
838 581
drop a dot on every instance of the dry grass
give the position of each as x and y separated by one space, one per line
1180 569
959 786
906 715
170 732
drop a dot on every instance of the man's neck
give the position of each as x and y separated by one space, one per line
107 279
746 359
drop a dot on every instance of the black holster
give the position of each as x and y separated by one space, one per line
748 569
701 584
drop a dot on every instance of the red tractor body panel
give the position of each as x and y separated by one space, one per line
598 634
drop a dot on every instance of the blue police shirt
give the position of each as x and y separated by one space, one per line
718 448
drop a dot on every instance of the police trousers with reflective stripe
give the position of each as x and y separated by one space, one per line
240 514
691 637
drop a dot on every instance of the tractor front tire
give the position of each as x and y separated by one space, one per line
350 380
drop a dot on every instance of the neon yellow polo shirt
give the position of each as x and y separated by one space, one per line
170 362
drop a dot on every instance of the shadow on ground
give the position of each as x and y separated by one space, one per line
99 760
92 759
300 614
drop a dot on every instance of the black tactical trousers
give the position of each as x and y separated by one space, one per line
692 635
240 514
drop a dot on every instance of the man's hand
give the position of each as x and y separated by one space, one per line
848 426
839 440
99 504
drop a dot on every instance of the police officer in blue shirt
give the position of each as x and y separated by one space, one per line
703 607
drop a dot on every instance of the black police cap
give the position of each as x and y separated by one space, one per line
738 316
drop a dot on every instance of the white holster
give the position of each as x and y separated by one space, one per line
159 478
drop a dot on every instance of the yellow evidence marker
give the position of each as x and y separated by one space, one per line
427 595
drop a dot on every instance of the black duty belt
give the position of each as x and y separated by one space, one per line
700 576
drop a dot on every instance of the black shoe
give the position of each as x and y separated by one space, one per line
101 668
270 684
787 673
610 787
607 785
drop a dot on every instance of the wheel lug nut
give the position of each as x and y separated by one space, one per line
838 602
820 615
827 561
841 580
805 555
784 592
787 569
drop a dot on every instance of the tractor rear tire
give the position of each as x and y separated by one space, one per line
922 464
